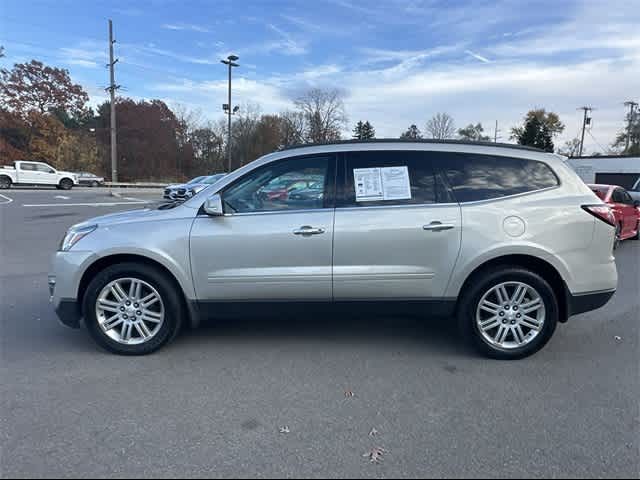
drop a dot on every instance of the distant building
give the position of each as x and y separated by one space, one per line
607 169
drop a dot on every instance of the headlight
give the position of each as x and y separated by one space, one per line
74 235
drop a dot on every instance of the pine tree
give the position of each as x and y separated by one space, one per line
368 132
364 131
536 134
412 133
358 130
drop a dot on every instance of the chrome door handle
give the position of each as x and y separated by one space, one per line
307 230
438 227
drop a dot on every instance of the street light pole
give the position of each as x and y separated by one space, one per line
230 61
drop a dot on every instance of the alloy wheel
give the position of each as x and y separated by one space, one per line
510 315
130 311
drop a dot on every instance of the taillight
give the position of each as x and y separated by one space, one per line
601 212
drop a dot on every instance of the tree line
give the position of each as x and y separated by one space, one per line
45 116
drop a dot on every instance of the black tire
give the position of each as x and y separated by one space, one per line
165 287
95 184
66 184
5 183
488 279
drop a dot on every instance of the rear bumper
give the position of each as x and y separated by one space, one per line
586 302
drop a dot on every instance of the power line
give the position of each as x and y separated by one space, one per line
604 150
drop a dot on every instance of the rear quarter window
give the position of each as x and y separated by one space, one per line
476 177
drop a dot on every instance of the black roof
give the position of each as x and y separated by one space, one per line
422 141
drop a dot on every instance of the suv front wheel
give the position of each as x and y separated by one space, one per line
132 309
509 313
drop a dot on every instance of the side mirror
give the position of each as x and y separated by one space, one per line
213 206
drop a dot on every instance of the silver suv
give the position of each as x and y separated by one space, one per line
507 240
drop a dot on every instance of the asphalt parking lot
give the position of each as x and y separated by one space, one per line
213 403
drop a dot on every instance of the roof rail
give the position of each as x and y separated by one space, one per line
421 141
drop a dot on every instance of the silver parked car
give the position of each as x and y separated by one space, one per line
508 240
89 179
635 190
189 189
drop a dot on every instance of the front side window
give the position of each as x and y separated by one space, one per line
294 184
44 168
395 177
476 177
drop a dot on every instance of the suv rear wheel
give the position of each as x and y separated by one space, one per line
132 309
65 184
509 313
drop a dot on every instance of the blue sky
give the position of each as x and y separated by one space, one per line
399 62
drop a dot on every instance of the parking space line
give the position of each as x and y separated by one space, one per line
7 199
102 204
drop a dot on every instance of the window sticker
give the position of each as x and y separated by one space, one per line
368 184
375 184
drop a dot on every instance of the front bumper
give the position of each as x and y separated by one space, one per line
66 270
586 302
69 313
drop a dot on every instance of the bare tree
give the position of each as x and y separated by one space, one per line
243 132
441 126
292 128
324 114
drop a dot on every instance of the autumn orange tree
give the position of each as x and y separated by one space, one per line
30 95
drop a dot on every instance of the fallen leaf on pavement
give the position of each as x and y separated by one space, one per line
373 433
285 429
375 455
349 394
617 338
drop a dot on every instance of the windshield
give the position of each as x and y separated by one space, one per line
636 187
213 178
196 180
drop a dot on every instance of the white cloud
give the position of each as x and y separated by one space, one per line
478 57
186 26
87 54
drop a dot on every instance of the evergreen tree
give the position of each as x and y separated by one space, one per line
368 132
536 134
364 131
412 133
357 130
539 129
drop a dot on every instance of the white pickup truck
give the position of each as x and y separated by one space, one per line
36 173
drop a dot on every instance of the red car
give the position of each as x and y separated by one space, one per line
625 210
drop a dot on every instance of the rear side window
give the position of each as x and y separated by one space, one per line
620 196
476 177
30 167
395 177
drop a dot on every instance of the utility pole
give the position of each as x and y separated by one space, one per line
230 61
585 121
632 107
112 90
495 135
